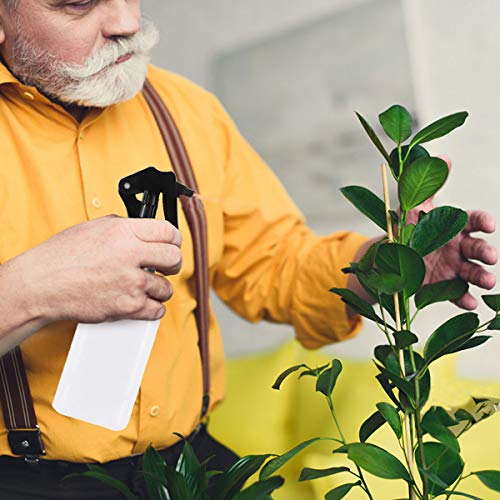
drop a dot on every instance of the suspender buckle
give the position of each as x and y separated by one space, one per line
26 442
205 405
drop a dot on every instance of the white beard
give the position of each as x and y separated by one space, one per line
98 82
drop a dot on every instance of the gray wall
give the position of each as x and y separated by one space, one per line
321 60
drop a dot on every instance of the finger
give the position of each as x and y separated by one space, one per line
480 221
475 274
155 230
159 288
467 302
152 310
163 257
479 249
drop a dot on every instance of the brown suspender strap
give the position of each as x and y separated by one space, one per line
17 406
15 396
195 216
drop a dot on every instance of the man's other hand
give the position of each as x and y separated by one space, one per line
456 258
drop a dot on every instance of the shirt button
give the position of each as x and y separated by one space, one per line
29 96
155 411
96 202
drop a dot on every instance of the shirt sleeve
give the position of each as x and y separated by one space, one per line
273 266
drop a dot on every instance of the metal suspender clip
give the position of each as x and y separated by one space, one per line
26 442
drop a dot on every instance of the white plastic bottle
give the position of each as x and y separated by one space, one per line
103 371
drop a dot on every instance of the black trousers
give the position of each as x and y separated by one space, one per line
22 481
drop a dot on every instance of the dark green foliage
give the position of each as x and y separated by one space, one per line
377 461
367 203
490 478
492 301
341 491
397 123
450 336
440 291
415 153
439 128
420 180
373 136
307 473
437 228
442 463
327 380
282 376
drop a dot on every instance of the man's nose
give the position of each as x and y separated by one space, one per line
122 18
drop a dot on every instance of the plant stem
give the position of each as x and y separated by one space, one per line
344 441
407 426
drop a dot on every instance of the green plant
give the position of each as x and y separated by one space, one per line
190 479
392 272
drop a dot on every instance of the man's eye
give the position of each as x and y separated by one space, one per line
81 5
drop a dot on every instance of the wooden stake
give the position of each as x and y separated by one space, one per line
397 309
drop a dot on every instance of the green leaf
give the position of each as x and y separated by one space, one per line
415 153
400 383
442 416
374 138
327 380
387 387
459 494
440 292
490 478
388 283
189 467
261 489
105 478
473 342
397 123
307 473
367 203
404 339
492 301
393 258
231 481
155 475
273 465
437 228
367 262
282 376
443 462
357 303
450 335
432 425
377 461
341 491
392 416
439 128
420 180
370 425
495 324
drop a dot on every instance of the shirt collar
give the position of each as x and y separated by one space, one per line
5 75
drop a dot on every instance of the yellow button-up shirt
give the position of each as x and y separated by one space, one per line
264 262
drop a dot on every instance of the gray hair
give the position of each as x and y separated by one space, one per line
11 4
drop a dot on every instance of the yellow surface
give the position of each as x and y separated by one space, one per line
258 419
263 261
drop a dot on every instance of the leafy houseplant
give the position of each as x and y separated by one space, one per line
392 272
192 480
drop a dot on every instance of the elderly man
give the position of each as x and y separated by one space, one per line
73 122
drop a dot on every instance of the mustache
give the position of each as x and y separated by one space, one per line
139 44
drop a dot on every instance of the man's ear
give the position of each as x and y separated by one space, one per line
2 31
